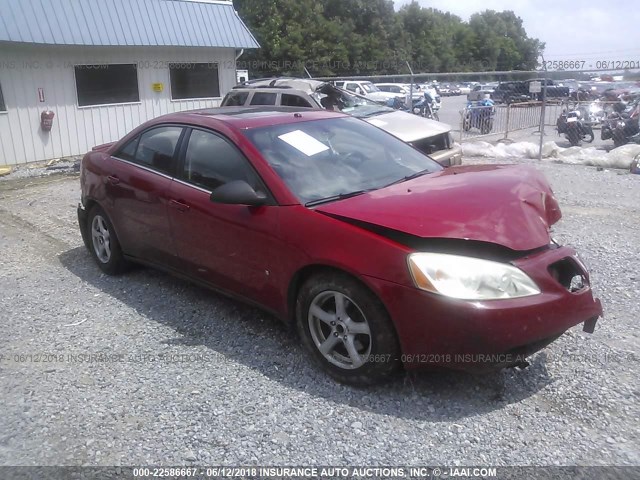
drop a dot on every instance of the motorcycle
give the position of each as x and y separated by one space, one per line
479 115
424 107
574 126
622 125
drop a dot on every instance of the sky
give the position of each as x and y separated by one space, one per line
589 30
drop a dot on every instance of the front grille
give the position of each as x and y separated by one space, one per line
569 274
433 144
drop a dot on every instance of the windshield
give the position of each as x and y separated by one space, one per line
327 158
333 98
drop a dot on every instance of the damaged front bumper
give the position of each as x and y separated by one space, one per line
478 335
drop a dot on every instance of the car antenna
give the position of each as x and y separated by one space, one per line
307 72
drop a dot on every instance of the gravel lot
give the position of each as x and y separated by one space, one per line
148 369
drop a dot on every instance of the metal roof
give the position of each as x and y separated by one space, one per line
184 23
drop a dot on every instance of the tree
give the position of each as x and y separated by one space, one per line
345 37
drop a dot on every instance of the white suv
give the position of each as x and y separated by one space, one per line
366 89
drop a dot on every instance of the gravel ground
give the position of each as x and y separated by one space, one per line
148 369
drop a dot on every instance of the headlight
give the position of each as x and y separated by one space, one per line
469 278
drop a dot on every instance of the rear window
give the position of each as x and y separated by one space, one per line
235 99
155 148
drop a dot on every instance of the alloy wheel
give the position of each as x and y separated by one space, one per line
339 330
101 238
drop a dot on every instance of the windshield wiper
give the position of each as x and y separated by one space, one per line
410 177
334 198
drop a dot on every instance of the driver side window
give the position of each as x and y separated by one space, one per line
211 161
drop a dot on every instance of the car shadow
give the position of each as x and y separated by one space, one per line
239 333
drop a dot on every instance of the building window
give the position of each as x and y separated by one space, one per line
3 107
107 84
194 80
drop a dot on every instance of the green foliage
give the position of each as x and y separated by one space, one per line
340 37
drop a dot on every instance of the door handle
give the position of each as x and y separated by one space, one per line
113 180
180 206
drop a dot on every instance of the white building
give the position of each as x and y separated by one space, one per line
105 66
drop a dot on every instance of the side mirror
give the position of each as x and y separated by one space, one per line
238 192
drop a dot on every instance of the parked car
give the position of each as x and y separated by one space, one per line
429 136
511 92
366 89
447 90
465 88
553 90
378 255
478 92
400 89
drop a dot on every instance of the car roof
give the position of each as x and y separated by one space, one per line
250 117
306 85
261 89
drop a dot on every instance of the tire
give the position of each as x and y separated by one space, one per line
103 243
573 136
486 126
466 122
361 350
436 117
618 139
589 135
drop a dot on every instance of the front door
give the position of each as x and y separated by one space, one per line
234 247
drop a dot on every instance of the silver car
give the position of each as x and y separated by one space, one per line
429 136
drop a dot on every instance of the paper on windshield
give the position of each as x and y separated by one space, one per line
304 142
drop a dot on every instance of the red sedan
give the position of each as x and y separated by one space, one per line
379 255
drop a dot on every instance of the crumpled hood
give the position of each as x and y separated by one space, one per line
408 127
509 205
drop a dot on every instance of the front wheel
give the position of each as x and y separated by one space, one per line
104 244
346 329
466 122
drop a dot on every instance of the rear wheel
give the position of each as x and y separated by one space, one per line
618 138
589 135
573 136
104 244
347 330
487 126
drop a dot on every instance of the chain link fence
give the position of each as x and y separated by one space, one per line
514 106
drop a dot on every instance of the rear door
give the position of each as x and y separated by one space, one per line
138 188
234 247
